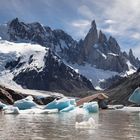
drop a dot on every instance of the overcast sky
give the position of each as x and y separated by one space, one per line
119 18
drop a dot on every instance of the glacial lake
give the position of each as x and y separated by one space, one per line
110 125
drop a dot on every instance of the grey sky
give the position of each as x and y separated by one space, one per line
119 18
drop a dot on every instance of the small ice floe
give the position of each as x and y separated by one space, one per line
38 111
79 111
2 105
130 109
15 110
91 107
90 123
12 110
115 107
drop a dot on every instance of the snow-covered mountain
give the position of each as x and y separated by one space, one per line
36 67
97 57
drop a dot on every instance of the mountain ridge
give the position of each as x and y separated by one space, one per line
94 50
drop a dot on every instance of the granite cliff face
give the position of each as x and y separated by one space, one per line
105 53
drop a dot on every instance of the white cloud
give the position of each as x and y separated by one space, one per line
136 36
79 27
136 51
109 21
80 23
85 11
110 30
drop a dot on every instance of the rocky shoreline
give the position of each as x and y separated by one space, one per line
9 96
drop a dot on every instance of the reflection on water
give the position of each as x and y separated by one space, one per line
111 125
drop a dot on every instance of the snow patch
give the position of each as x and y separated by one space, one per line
92 73
131 68
102 53
113 54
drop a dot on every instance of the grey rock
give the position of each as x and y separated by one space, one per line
91 39
113 45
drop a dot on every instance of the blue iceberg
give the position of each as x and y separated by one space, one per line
58 104
72 102
91 107
26 103
69 108
135 97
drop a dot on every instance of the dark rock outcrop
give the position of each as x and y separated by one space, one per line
46 100
120 91
8 96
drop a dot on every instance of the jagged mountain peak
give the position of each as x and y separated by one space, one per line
14 21
90 40
93 24
130 53
113 45
102 37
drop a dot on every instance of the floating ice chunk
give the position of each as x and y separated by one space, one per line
79 111
58 104
26 103
38 111
29 98
49 111
135 97
2 105
15 110
86 124
12 110
69 108
91 107
72 101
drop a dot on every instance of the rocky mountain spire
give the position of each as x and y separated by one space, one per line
133 60
131 53
113 45
102 37
90 39
93 24
14 22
